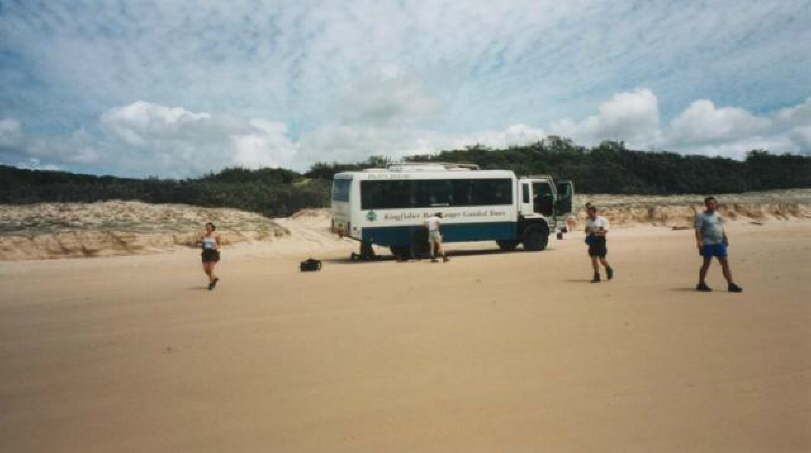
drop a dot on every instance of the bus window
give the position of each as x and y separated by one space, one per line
432 193
492 192
426 193
543 199
385 194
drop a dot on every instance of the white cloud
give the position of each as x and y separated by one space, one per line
352 143
10 132
797 115
632 117
36 164
515 135
702 128
702 122
267 146
77 148
140 122
143 138
390 98
801 136
342 80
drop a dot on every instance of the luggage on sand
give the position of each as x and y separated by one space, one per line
310 265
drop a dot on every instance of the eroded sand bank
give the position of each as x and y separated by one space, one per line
83 230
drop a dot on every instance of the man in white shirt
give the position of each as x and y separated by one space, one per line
596 229
434 237
711 240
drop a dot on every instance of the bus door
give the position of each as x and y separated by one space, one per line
543 198
564 206
525 198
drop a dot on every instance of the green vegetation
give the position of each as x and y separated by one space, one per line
607 168
611 168
271 192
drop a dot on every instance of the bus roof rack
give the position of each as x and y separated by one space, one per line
395 166
539 177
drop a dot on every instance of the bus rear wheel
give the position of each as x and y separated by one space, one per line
401 251
536 237
508 244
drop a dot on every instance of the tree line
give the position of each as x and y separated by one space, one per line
270 192
606 168
611 168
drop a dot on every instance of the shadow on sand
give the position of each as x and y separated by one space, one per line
451 254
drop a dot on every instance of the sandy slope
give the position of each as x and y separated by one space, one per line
79 230
490 352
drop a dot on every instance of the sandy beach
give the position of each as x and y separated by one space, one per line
493 351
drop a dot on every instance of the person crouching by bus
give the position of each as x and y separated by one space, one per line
571 223
596 229
435 238
211 253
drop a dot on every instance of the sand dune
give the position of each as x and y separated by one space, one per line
71 230
67 230
680 210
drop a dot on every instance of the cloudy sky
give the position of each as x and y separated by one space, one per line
177 88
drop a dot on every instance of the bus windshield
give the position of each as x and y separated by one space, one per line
340 189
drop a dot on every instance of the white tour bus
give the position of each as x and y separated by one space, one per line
388 206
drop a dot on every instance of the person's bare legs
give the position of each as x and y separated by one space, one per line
207 269
725 268
731 286
595 264
213 277
441 249
702 273
608 270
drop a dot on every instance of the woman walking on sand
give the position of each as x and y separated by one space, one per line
211 253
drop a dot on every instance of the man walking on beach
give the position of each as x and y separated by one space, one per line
711 240
434 237
596 229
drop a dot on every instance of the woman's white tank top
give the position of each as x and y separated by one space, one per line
209 243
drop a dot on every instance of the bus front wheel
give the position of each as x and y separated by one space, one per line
536 237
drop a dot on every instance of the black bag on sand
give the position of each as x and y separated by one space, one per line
309 265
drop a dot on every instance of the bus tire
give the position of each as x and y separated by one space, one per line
508 245
401 251
536 237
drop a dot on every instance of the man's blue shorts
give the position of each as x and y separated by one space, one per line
719 250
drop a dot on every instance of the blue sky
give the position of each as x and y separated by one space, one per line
177 89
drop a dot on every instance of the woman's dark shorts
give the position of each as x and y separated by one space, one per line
210 255
597 246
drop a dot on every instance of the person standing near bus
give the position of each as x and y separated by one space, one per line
596 229
210 241
434 237
711 240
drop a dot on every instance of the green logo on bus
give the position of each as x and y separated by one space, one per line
371 216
